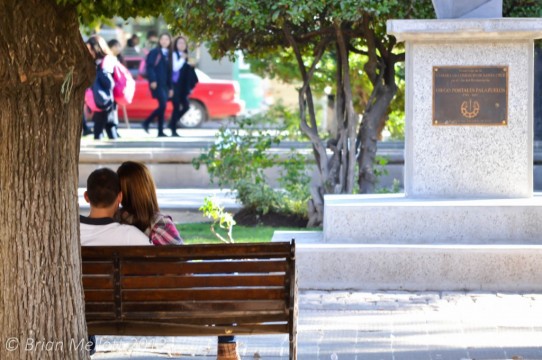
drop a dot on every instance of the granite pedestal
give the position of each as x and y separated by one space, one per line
468 218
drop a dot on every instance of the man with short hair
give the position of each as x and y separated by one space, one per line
100 228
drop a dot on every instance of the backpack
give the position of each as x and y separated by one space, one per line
89 101
97 97
143 65
124 89
123 92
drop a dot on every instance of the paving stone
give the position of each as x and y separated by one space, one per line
376 326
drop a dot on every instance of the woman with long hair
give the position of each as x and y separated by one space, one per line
184 79
103 86
140 205
140 208
158 72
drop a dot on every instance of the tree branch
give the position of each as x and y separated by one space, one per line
355 50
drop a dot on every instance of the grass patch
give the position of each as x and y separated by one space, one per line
200 233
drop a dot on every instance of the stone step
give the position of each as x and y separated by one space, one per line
397 219
415 267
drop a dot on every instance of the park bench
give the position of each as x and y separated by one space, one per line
191 290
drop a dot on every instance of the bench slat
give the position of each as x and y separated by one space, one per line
192 252
209 319
97 316
99 307
152 328
197 295
207 267
151 282
98 282
99 295
97 267
207 305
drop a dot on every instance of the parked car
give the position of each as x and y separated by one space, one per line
210 99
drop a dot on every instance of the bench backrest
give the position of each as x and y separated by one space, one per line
212 289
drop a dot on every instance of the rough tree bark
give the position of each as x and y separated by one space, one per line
44 69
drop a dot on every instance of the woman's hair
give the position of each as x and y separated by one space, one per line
138 193
98 44
177 39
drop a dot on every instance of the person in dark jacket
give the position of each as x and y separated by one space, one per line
159 75
184 79
103 88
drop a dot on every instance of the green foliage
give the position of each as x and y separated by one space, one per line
240 154
283 118
396 125
522 8
379 168
212 209
239 159
393 189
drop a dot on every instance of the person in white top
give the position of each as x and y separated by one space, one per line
99 228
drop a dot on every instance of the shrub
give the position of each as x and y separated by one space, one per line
238 160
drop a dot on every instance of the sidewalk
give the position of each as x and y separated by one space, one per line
375 326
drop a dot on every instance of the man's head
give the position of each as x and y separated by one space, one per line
103 189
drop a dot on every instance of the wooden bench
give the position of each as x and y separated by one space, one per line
191 290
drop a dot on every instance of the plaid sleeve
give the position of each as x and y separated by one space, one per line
164 232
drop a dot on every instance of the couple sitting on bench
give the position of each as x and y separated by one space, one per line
137 222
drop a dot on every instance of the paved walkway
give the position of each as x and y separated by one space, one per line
375 326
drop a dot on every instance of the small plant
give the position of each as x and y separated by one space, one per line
223 219
380 170
393 189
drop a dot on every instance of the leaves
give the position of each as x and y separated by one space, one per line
212 209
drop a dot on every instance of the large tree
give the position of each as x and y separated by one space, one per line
308 29
44 70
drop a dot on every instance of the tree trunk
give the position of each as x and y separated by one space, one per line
368 136
309 127
44 69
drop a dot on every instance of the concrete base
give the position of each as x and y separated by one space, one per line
395 219
420 267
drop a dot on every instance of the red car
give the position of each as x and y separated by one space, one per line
210 99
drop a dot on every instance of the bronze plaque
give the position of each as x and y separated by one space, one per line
470 95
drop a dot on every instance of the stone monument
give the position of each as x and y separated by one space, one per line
468 140
468 219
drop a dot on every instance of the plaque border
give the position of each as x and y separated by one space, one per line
435 122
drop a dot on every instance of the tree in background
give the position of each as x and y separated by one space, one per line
308 33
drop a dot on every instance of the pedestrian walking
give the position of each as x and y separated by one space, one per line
184 79
102 88
158 73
